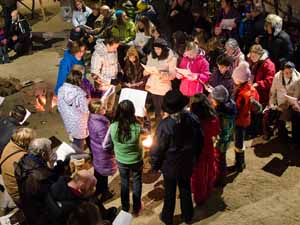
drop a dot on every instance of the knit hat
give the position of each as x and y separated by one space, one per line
119 12
220 94
161 43
174 101
132 52
141 6
242 73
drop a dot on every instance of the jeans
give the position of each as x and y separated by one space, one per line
186 203
124 170
239 137
102 183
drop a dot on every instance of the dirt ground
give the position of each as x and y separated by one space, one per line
254 197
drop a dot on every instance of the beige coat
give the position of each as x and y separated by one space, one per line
161 84
8 171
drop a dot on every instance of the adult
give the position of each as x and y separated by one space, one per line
67 193
72 105
198 70
276 41
104 67
105 22
92 18
80 14
8 6
9 124
233 50
159 81
144 29
13 152
177 144
34 175
180 17
278 106
227 12
147 10
258 22
20 34
201 23
72 56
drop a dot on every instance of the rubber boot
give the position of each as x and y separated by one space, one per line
221 180
240 161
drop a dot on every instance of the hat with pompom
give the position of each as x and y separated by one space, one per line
242 73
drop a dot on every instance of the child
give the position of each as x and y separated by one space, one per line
3 45
103 161
204 173
226 111
124 135
133 71
222 75
243 98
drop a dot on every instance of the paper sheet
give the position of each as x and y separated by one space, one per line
137 97
26 116
1 100
150 69
63 151
123 218
227 24
291 100
183 72
107 93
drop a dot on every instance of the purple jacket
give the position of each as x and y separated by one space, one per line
104 161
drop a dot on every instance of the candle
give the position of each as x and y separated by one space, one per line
147 143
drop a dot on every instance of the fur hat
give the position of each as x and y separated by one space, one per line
276 22
161 43
220 94
242 73
174 101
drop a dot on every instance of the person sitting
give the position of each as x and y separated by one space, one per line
3 44
9 124
67 193
35 174
20 35
80 14
12 153
124 28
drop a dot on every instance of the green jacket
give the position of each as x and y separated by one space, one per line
124 32
128 152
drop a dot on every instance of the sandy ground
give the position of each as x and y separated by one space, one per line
254 197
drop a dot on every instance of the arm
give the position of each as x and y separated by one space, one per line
266 82
96 65
130 32
25 31
74 19
273 92
107 144
204 74
172 69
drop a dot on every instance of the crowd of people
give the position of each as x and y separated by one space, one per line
209 82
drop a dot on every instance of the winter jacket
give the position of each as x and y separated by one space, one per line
243 97
294 89
103 161
125 32
34 180
258 27
7 127
21 29
160 85
263 73
128 152
280 87
222 79
65 66
104 64
79 18
8 170
198 66
103 26
279 47
73 108
174 152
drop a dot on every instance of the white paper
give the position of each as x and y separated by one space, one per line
291 100
227 24
1 100
150 69
63 151
107 93
26 116
123 218
184 72
137 97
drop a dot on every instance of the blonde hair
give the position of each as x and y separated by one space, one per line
96 106
23 136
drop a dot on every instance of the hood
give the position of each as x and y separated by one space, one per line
99 117
264 56
69 57
276 22
100 47
71 93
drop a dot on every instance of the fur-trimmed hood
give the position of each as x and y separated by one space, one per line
276 22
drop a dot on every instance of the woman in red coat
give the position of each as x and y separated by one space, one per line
205 170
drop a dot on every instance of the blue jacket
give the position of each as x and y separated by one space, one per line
65 66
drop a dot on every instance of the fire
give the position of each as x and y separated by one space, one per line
147 143
42 105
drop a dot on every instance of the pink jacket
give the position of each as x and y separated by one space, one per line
198 66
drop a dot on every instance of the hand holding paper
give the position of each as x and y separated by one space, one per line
150 69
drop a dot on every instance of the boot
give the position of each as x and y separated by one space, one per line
240 161
221 180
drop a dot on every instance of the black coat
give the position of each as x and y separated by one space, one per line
7 127
21 29
175 152
182 21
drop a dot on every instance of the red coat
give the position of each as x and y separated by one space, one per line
263 73
243 97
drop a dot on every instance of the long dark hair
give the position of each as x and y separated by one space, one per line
146 22
202 107
164 53
125 117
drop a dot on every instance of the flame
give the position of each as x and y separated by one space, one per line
147 143
41 103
